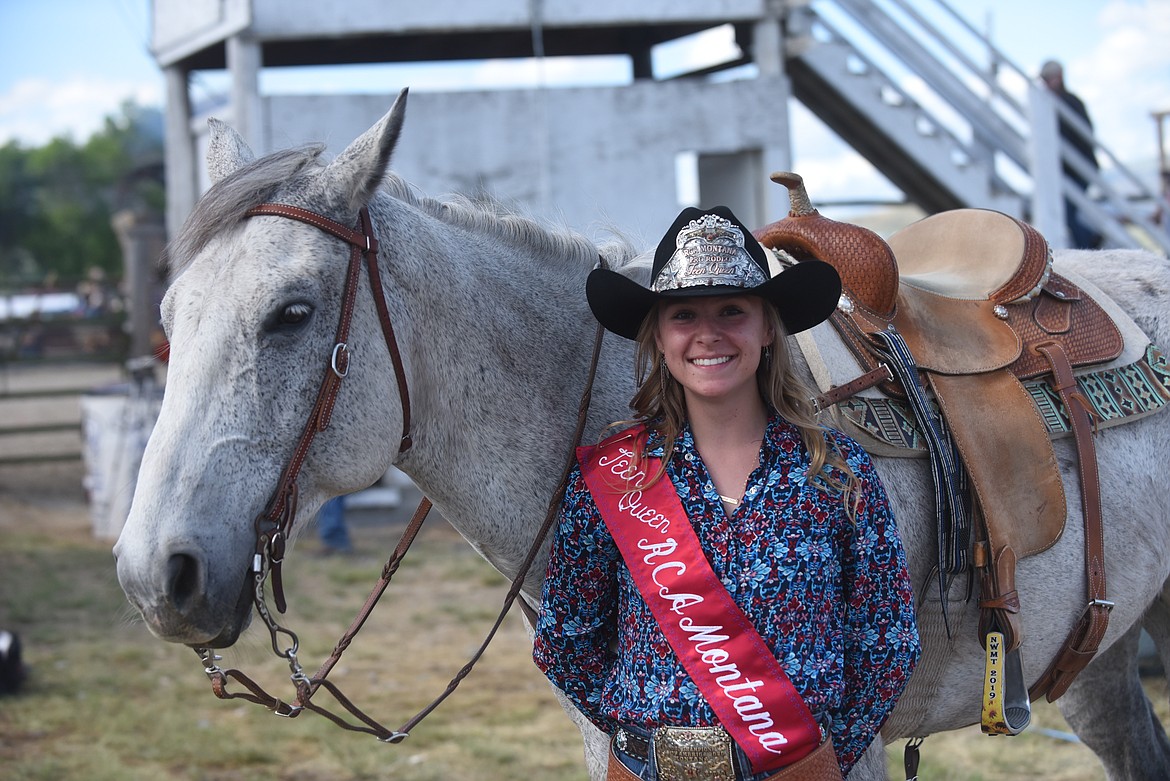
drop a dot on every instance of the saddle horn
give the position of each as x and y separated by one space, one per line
864 260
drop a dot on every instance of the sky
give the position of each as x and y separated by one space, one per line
67 64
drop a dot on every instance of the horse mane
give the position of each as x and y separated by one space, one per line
486 214
226 202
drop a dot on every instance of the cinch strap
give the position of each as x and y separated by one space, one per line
734 668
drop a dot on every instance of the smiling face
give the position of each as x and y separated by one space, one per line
712 345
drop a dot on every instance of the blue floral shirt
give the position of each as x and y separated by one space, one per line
829 594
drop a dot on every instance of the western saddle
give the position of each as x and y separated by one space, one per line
969 300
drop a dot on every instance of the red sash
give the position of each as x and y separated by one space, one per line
725 656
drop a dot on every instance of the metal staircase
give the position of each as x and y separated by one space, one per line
950 121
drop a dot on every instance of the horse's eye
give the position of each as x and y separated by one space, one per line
291 316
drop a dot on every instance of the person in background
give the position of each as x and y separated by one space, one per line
726 595
333 517
331 528
1161 214
1052 74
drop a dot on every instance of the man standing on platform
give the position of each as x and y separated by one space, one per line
1081 235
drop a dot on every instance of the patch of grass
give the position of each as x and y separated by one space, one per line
1041 751
108 702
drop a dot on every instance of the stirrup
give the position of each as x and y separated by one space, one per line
1006 707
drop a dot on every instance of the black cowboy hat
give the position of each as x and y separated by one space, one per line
708 252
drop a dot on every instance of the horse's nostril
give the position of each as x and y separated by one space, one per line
184 579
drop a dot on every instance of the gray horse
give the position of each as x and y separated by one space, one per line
495 338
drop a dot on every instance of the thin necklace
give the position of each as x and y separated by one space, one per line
735 502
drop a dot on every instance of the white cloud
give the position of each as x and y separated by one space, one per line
831 169
36 110
848 177
1126 76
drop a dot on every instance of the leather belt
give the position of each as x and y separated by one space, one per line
679 751
636 746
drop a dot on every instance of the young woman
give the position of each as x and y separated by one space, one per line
727 595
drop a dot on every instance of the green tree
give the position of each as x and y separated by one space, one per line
17 194
56 200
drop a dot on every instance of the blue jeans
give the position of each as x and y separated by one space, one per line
331 525
1081 236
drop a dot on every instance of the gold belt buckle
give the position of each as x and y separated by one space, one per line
693 753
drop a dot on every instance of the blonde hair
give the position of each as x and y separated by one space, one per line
659 403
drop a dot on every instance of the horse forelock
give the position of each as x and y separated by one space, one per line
224 204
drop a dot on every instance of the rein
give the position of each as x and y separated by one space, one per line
274 524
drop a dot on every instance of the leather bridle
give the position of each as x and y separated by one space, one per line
274 524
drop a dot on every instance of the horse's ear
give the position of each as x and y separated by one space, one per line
359 170
226 151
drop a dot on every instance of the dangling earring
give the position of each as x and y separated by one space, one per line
662 377
767 357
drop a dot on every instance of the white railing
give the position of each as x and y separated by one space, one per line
950 72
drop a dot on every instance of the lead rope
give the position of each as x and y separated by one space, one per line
306 687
